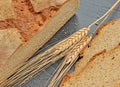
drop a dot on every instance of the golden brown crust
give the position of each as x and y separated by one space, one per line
66 78
25 20
40 5
78 63
117 85
96 55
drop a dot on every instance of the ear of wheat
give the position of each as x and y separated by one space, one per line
66 43
25 75
69 60
41 61
47 58
76 51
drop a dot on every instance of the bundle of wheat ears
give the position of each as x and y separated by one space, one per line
68 48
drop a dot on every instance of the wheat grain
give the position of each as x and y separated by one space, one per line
75 52
69 60
69 41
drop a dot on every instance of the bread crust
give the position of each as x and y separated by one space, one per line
24 52
97 55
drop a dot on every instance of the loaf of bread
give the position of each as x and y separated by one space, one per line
103 70
107 38
26 25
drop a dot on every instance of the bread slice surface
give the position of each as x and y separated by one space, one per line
101 71
107 38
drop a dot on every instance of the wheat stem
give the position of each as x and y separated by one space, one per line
69 60
53 51
111 9
25 75
60 47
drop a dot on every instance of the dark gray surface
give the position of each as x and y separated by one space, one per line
89 11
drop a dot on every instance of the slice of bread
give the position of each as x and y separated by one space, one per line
107 38
103 70
34 29
9 42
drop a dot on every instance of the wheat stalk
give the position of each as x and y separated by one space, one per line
79 35
58 48
26 75
69 60
109 11
45 58
66 43
72 57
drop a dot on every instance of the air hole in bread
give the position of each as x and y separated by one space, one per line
113 58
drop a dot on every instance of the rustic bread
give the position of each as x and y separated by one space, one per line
23 30
39 5
107 38
103 70
9 42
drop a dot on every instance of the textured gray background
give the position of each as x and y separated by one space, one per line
88 11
